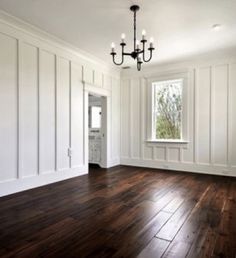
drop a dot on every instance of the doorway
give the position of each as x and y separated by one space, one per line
96 130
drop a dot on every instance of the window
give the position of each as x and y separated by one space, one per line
95 117
167 107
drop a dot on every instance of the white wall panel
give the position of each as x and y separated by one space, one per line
88 74
188 154
47 112
211 126
220 114
98 78
29 110
160 153
148 153
135 118
77 113
125 117
115 119
63 116
203 115
174 154
107 81
42 109
8 108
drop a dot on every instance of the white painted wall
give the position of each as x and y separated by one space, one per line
211 120
42 85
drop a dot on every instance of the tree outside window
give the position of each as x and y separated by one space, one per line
167 109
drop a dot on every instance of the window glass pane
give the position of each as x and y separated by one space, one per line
95 117
168 109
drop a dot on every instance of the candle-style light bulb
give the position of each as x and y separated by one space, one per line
143 34
123 37
113 47
151 42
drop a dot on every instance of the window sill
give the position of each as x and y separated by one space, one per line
168 141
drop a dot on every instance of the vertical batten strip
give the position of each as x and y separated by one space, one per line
38 107
210 120
70 103
20 172
228 117
84 118
195 117
130 122
140 118
56 79
212 115
112 127
18 108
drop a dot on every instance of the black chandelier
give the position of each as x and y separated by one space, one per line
137 53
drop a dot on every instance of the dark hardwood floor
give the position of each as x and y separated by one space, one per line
122 212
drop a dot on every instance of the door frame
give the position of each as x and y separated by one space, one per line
106 122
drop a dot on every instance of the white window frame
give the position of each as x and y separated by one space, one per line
150 113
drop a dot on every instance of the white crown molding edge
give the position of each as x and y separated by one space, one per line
224 56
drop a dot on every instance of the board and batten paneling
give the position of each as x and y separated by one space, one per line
47 112
232 116
28 108
63 115
125 118
220 114
115 150
135 118
203 113
211 126
77 126
42 110
8 108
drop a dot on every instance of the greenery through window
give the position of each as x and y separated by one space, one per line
167 115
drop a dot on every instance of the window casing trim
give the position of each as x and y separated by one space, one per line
150 137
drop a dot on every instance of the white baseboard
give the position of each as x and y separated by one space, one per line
114 162
18 185
185 167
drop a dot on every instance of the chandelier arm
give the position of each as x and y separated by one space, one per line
122 60
122 56
150 49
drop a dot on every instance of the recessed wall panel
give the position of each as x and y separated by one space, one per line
220 104
135 118
174 154
160 153
203 115
8 108
29 110
63 115
77 112
125 117
47 91
115 118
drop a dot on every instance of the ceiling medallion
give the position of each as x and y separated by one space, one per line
138 53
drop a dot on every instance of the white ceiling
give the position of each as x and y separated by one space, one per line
181 28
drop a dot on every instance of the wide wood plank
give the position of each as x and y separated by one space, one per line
122 212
